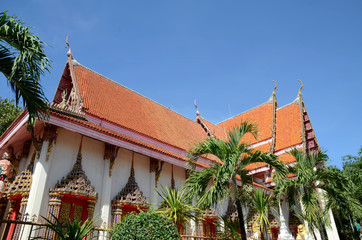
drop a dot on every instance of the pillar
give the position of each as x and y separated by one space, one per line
106 197
153 193
332 230
284 233
116 214
38 186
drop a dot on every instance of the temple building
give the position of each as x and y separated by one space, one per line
105 148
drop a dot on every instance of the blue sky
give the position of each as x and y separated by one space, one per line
223 53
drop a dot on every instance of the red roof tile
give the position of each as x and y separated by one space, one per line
113 102
261 115
288 127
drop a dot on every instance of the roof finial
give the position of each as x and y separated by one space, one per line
197 110
79 157
301 87
275 86
69 53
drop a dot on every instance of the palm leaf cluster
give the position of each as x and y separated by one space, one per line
345 196
309 188
23 62
262 202
176 207
212 184
71 229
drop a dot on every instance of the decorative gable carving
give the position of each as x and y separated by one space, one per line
22 182
130 194
76 182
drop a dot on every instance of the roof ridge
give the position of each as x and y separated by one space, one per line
76 63
267 102
295 101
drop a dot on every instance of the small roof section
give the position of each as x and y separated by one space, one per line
262 115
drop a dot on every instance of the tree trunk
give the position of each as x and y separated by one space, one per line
266 232
241 219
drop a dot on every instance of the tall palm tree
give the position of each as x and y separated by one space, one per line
23 62
214 183
344 200
176 207
262 203
309 188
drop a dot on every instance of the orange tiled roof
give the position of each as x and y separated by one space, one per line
288 126
286 158
115 103
261 115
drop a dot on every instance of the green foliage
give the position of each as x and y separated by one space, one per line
145 226
262 203
70 230
345 196
8 113
214 183
229 229
312 175
176 207
23 62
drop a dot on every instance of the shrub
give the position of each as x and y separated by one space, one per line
145 226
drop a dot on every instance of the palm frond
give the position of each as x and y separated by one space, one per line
176 207
23 63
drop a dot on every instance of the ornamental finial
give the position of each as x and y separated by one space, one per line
275 86
197 110
301 87
79 157
69 53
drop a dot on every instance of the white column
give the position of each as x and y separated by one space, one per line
284 233
153 193
37 191
245 213
332 230
106 199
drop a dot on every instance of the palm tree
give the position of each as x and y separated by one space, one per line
23 62
70 229
262 203
214 183
344 200
309 187
176 207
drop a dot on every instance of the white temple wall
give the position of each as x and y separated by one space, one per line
92 162
179 174
142 174
121 171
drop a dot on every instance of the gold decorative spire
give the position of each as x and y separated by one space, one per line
301 87
69 53
76 182
79 157
130 194
197 110
275 86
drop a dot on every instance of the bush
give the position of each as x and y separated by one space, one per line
145 226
